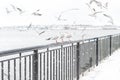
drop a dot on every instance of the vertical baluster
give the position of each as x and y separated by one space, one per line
56 66
25 68
64 65
14 69
51 70
40 66
2 71
29 67
96 51
61 62
78 59
59 65
44 65
110 44
8 69
35 65
19 66
72 62
53 65
68 61
47 63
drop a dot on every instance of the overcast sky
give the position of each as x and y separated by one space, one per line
51 9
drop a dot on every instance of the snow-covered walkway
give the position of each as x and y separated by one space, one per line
108 69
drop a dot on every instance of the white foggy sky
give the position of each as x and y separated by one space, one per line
52 8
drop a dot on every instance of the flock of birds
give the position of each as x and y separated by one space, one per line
21 11
95 12
59 18
61 37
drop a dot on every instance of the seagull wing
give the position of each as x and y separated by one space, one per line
14 8
7 11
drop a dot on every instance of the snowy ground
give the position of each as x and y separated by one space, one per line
108 69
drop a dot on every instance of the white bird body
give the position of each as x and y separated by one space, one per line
62 37
68 36
55 38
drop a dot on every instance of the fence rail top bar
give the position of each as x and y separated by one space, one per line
22 50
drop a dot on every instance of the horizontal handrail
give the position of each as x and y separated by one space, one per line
27 49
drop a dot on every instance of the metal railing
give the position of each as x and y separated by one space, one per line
62 61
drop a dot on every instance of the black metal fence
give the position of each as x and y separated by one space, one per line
62 61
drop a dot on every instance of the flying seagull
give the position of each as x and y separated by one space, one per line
59 18
30 25
95 13
39 33
83 30
17 9
62 37
106 5
68 36
14 8
111 20
20 10
8 11
99 4
53 38
36 13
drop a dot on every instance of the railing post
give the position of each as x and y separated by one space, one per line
78 59
35 65
110 44
119 40
96 51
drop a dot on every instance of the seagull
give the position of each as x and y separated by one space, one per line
92 9
49 38
88 5
99 4
111 20
83 30
36 13
20 10
68 36
60 19
55 38
62 37
8 11
29 26
95 13
17 9
39 33
14 8
91 1
61 14
106 5
83 36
